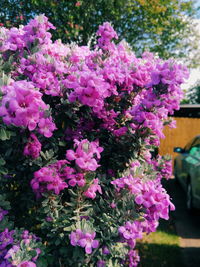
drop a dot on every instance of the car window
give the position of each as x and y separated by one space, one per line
194 142
195 151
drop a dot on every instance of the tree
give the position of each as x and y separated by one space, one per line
161 26
192 96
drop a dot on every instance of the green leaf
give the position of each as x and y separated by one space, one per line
4 135
41 262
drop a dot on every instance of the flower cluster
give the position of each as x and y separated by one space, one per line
35 31
151 196
164 167
15 252
33 147
106 34
57 176
85 154
131 231
22 106
50 178
84 240
133 258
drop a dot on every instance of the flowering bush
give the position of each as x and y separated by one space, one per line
78 129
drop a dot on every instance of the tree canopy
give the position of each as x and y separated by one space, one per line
162 26
192 96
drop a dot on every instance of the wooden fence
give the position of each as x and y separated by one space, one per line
186 129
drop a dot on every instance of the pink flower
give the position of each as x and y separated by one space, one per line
88 242
51 178
106 33
101 263
84 240
77 179
22 106
85 154
75 237
134 258
93 188
121 131
27 264
33 147
46 127
78 4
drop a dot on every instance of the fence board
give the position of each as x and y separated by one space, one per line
186 129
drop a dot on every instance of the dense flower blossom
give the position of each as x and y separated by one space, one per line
151 196
56 177
33 147
85 154
121 131
22 106
50 178
106 93
84 240
106 33
163 166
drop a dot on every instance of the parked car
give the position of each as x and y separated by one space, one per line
187 171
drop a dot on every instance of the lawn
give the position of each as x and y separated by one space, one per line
161 248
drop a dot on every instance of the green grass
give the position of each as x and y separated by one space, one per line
160 249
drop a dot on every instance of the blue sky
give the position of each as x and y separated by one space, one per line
198 5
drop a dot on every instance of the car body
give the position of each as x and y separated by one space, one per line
187 171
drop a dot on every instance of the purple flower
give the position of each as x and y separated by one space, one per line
50 178
5 263
105 250
2 214
88 242
33 147
106 33
38 251
84 240
121 131
46 127
11 251
27 264
85 154
22 106
75 237
93 188
6 238
101 263
77 179
133 258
